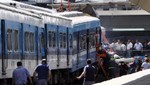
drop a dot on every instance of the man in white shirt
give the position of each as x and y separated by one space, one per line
138 47
145 65
123 49
112 45
129 48
118 47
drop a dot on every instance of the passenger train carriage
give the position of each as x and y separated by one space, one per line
16 27
65 39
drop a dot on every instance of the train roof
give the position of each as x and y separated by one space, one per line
13 14
48 16
71 14
25 6
77 17
83 19
67 18
63 18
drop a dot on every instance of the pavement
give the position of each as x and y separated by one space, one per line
138 78
145 80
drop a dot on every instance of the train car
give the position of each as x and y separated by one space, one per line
29 34
84 28
70 41
18 39
76 39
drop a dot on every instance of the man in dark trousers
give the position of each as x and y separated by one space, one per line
20 75
44 73
123 68
88 73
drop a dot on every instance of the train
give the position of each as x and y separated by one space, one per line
29 34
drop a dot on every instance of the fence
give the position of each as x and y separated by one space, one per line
133 53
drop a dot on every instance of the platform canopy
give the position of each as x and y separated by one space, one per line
144 4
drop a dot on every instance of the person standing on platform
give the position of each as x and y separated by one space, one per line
118 47
145 65
43 72
123 49
139 64
138 47
123 68
20 75
88 73
112 45
129 48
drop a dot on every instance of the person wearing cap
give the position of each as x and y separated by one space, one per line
43 73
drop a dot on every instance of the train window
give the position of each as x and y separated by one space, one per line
70 39
32 42
41 41
92 39
15 40
81 42
64 40
80 45
84 42
9 39
54 39
26 40
50 38
61 39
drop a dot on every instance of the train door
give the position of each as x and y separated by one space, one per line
40 51
69 47
79 47
11 46
62 33
75 52
83 45
52 47
92 43
0 49
29 52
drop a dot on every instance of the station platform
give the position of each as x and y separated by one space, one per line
138 78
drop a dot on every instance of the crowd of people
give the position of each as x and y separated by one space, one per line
90 73
116 69
130 48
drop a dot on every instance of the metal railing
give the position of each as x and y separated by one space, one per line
133 53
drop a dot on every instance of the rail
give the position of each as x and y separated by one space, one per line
133 53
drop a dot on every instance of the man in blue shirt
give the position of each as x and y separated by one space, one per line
20 75
88 73
43 72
